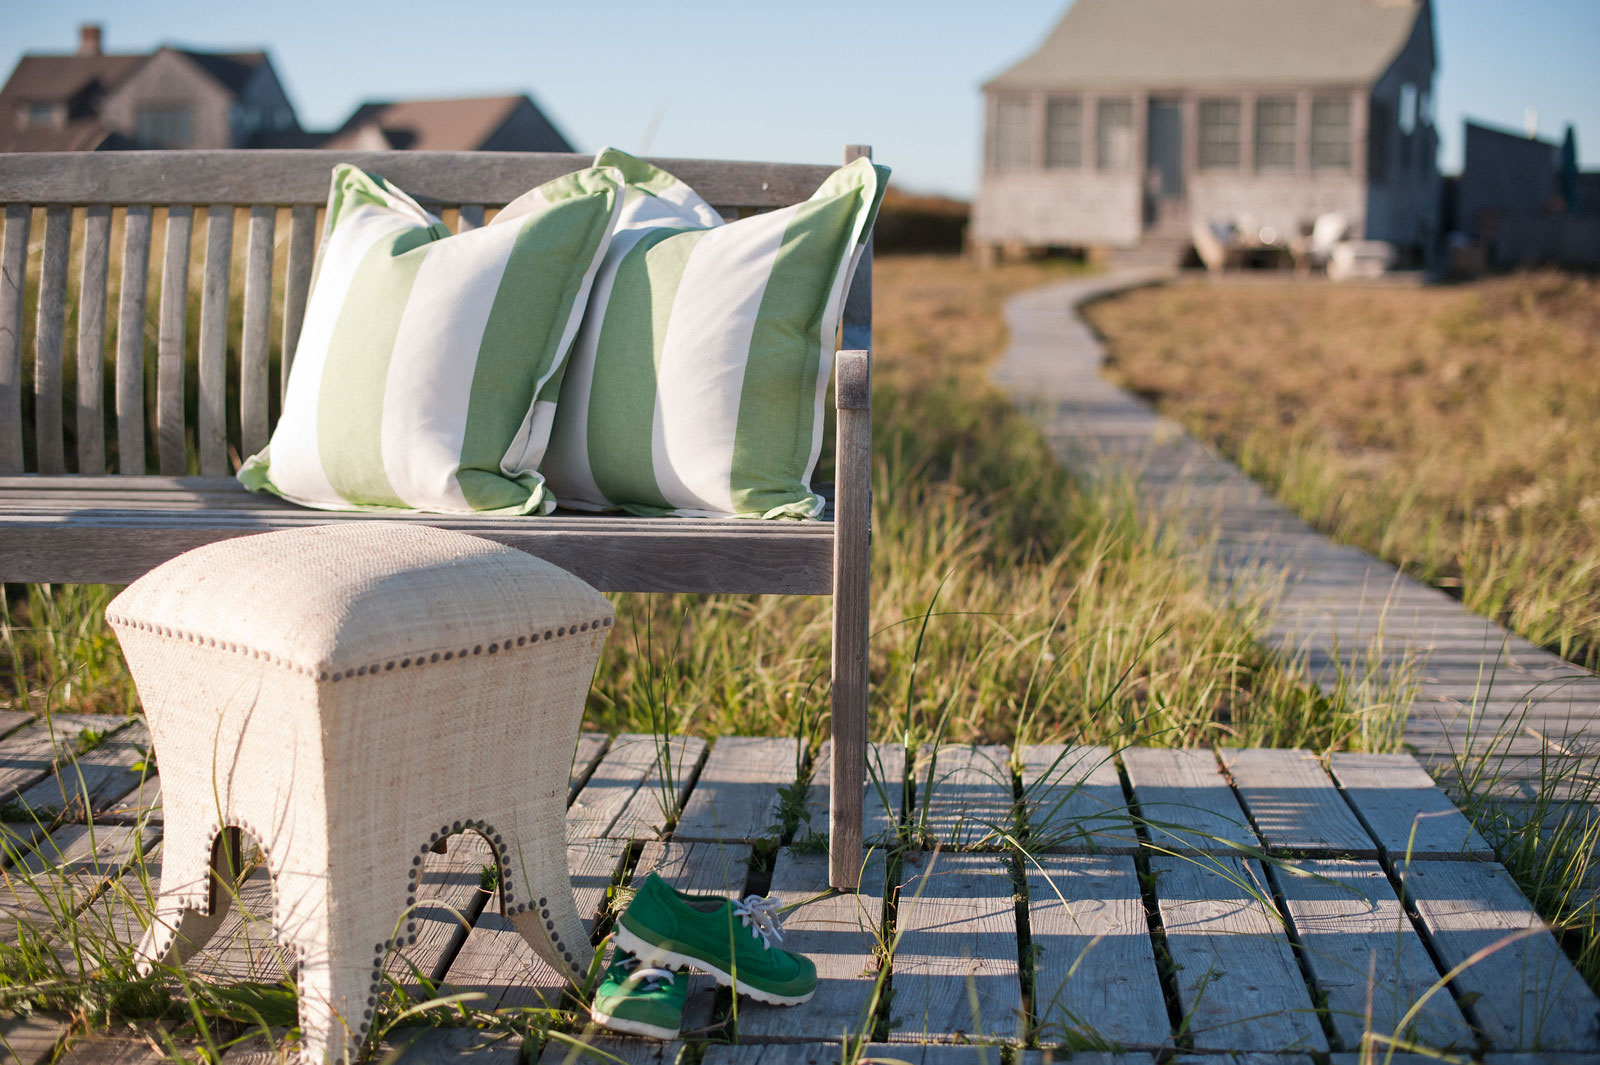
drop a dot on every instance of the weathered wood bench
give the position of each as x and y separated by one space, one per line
69 518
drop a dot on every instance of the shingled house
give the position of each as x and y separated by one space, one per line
169 98
486 124
1137 118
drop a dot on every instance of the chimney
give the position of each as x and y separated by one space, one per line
89 39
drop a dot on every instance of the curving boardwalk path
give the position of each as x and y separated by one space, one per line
1479 687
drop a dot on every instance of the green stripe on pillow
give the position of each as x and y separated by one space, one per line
725 415
423 356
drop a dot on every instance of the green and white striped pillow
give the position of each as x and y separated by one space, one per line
429 363
698 380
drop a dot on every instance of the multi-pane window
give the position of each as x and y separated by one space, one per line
1330 133
1219 134
1013 133
1114 133
165 127
1063 132
1275 133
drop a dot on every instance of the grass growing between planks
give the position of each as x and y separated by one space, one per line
1011 602
1453 431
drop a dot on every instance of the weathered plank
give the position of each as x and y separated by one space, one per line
735 797
1527 994
852 594
90 423
1095 975
661 793
253 376
1074 801
612 784
1239 985
1185 802
115 1050
213 428
171 339
32 752
964 795
11 720
405 1045
449 900
1294 804
1366 958
106 545
108 930
31 1040
957 946
140 803
130 339
593 1046
13 277
591 747
102 776
296 286
18 837
698 869
884 791
300 176
840 933
1402 807
71 865
49 340
895 1054
243 946
497 963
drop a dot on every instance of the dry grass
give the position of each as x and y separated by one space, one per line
1454 431
1052 611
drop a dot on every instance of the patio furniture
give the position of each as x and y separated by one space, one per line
64 519
350 695
1358 260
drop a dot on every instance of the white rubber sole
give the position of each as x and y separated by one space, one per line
658 955
622 1024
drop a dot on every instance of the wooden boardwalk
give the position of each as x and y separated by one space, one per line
1157 902
1480 690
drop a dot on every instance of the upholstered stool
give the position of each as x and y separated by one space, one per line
349 695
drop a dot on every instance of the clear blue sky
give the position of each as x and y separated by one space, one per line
736 79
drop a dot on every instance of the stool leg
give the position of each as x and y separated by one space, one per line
536 896
341 918
179 928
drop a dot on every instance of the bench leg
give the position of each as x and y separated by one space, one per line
852 533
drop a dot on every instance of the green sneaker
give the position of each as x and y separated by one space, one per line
639 999
736 942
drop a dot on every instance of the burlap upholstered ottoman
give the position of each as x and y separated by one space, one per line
349 695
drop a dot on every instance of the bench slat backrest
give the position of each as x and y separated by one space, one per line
243 196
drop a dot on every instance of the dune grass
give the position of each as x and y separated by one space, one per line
1454 431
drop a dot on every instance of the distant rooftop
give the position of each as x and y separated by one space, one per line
423 125
1180 43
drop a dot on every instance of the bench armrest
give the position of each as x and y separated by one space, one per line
852 385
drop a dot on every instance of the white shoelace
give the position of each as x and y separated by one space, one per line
646 978
760 915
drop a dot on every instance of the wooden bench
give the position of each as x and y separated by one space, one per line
66 517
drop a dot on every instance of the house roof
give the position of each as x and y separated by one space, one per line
232 69
424 125
1181 43
75 81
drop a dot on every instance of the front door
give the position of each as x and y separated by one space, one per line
1163 159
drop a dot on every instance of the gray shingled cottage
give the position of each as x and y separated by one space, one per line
1137 118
